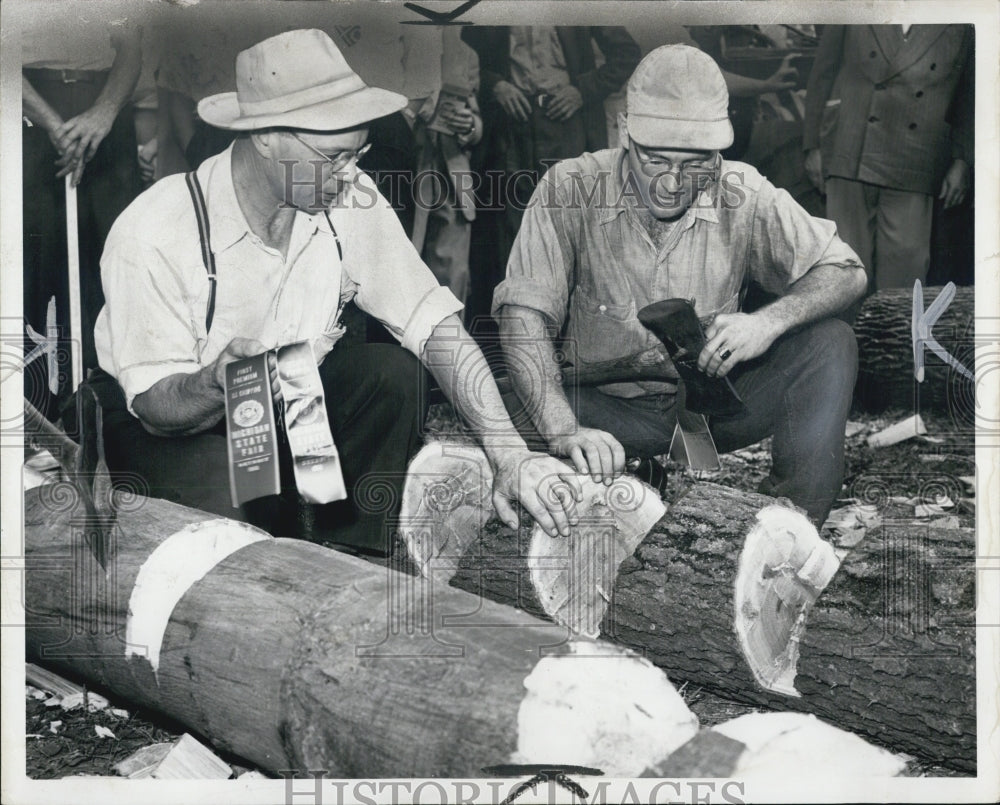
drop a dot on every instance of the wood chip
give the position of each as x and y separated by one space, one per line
103 732
900 431
54 726
141 764
189 759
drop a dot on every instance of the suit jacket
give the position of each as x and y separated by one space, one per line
892 111
621 56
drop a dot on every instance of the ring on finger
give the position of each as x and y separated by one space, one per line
726 354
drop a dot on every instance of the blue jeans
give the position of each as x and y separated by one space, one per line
799 392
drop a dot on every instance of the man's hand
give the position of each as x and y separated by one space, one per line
564 103
85 133
955 184
814 168
784 77
545 487
236 349
512 101
733 338
591 450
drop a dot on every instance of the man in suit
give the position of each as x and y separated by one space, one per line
889 126
542 100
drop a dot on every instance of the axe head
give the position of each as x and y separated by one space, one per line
674 322
91 476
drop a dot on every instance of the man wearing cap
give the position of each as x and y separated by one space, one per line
295 232
662 217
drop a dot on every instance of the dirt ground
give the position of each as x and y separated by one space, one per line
64 743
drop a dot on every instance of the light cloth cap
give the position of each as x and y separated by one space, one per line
677 98
298 79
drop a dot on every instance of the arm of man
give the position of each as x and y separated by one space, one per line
821 79
537 383
186 404
541 484
87 130
39 113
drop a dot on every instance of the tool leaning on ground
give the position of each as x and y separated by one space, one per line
83 466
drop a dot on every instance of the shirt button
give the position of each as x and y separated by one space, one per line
880 87
871 55
913 126
873 119
602 308
920 93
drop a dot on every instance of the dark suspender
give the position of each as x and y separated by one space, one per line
201 214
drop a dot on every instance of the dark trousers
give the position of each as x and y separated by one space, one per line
376 403
799 392
110 182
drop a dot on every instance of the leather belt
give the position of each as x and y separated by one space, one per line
64 76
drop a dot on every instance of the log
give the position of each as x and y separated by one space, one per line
887 650
297 657
447 503
885 355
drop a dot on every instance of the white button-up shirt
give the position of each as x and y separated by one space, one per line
157 288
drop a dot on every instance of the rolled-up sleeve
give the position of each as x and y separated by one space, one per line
146 331
787 241
542 261
393 284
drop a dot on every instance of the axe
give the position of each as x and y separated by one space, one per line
83 465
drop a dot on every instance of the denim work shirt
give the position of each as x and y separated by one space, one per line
583 258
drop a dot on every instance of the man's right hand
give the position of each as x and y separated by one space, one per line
814 168
512 101
592 451
235 350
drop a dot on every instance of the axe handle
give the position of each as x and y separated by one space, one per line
73 267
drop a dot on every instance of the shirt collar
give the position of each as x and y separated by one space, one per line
705 207
227 223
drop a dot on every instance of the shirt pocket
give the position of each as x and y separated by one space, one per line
603 330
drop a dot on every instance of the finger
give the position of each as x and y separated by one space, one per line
523 105
539 513
505 511
617 457
607 462
573 482
593 462
576 456
563 493
78 172
552 500
726 365
713 346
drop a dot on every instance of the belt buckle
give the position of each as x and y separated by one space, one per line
64 76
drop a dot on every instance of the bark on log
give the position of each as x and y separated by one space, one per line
887 651
885 355
345 665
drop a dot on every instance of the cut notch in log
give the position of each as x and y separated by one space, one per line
447 505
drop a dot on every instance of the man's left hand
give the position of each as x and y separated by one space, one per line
564 103
85 133
546 487
733 338
955 184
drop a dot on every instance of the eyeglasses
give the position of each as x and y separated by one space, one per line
663 165
342 160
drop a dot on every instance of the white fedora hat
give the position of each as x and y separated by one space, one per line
298 79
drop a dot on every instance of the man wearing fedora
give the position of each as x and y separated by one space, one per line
294 231
664 217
